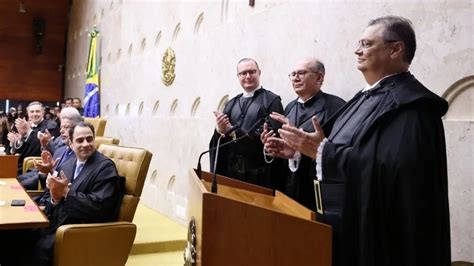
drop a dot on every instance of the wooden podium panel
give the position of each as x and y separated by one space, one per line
248 225
8 166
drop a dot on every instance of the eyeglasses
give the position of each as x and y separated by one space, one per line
300 74
244 74
366 44
65 127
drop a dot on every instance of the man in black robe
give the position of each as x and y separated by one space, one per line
246 112
25 141
383 170
307 78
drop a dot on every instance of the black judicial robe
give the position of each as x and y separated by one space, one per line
299 184
32 145
387 154
244 159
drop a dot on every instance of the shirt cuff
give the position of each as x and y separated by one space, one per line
294 162
53 202
217 129
17 144
232 135
319 160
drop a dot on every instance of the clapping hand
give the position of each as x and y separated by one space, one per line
22 126
222 121
304 142
58 186
44 138
47 162
273 145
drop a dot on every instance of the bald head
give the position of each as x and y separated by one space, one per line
307 77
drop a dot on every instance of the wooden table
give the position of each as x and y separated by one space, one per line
18 217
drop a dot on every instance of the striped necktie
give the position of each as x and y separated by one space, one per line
79 167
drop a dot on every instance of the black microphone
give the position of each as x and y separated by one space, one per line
230 131
218 146
255 126
226 133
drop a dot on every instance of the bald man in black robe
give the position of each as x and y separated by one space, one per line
307 78
382 167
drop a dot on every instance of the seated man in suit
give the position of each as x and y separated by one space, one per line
48 141
87 189
55 152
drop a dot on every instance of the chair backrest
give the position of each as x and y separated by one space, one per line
98 123
99 140
28 163
132 163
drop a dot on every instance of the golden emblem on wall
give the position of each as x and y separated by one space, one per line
167 67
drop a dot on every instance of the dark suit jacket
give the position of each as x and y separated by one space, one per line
30 179
32 146
95 195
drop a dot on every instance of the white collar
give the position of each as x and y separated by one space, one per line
251 93
301 100
80 162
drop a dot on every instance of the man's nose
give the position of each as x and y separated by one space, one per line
358 50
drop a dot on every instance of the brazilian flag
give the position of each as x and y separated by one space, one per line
92 97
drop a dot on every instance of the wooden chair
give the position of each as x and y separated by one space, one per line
107 244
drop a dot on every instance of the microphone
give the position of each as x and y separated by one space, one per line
230 131
218 146
255 126
226 133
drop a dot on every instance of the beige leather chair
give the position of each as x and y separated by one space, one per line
107 244
98 123
105 140
28 163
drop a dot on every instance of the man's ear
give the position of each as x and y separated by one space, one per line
320 78
398 50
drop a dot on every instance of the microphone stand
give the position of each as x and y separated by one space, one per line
214 176
199 168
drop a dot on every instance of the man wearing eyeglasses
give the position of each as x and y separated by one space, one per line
244 159
307 78
382 160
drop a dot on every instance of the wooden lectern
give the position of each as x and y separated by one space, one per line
244 224
8 166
